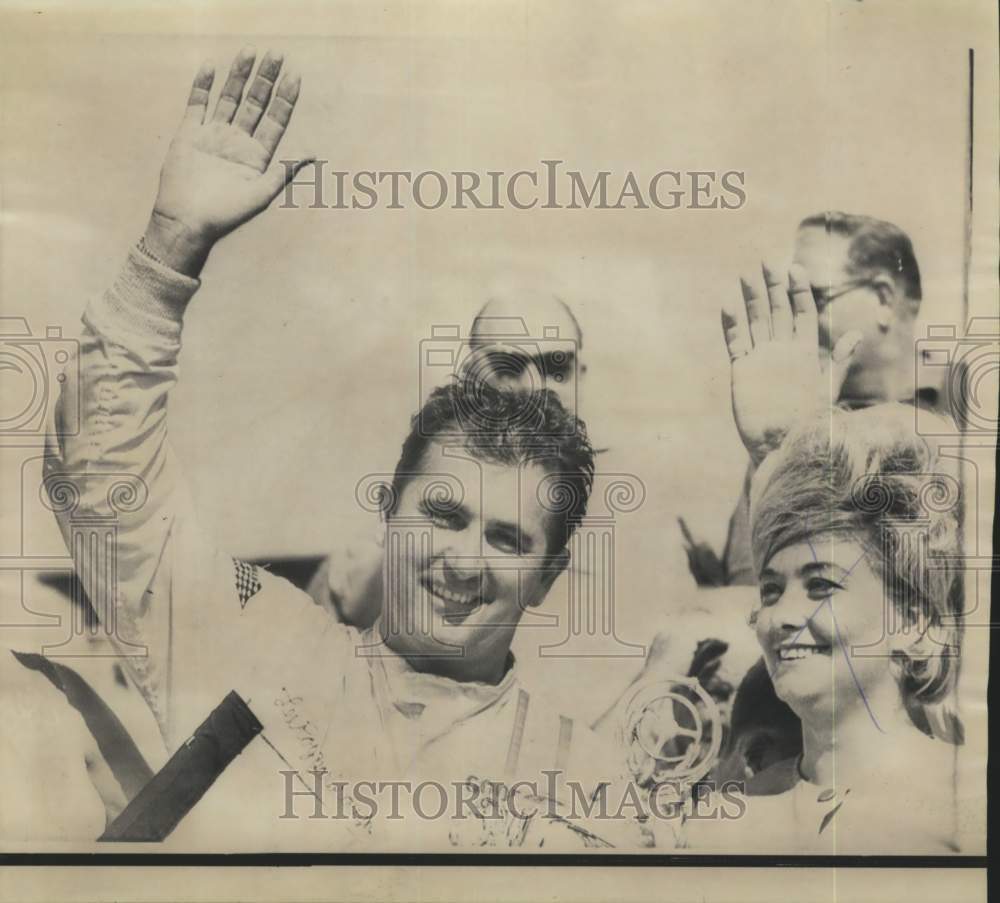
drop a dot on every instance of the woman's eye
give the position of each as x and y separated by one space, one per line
821 589
770 593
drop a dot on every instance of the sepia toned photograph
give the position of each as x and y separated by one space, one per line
549 437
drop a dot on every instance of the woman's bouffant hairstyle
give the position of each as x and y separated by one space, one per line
867 475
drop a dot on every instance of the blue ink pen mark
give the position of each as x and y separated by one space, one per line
836 630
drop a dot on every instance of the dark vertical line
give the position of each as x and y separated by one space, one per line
963 468
967 243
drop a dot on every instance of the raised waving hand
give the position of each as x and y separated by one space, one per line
220 170
780 372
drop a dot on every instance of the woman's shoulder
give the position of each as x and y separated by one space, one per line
779 777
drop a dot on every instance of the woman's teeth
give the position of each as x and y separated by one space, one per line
794 652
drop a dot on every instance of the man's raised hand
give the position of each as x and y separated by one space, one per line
218 173
779 371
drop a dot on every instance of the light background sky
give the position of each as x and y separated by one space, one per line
300 364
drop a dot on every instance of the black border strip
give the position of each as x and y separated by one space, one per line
633 860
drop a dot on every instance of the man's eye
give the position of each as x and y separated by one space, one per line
504 541
503 363
560 366
818 588
440 517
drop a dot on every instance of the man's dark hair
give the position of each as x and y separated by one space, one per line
510 426
875 246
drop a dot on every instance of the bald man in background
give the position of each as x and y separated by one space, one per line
497 336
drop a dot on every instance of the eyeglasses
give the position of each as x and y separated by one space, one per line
558 366
824 296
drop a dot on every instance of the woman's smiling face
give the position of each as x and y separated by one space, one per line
821 625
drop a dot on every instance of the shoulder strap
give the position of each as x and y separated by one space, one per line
563 744
517 735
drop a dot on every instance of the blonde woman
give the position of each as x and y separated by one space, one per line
855 535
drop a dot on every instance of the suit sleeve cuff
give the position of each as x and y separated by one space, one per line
147 300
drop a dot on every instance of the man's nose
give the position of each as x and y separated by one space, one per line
463 571
519 374
532 378
462 556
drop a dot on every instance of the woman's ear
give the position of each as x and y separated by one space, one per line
914 655
912 645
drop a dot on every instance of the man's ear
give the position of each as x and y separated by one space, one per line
886 289
554 566
888 294
888 301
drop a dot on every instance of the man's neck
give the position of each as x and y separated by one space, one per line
455 668
488 666
887 375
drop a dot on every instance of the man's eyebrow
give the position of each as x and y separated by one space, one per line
508 352
769 572
428 505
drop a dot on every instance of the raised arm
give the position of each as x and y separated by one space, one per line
217 175
779 371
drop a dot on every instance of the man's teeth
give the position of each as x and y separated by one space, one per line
791 653
453 597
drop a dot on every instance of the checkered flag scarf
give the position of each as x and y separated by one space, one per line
247 581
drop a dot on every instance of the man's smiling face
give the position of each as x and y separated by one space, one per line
454 601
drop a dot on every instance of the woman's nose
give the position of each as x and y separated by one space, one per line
792 611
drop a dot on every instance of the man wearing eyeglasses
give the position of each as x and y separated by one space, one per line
840 329
855 286
555 364
866 284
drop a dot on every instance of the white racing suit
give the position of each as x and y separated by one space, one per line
195 624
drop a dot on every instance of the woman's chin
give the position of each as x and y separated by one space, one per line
804 697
